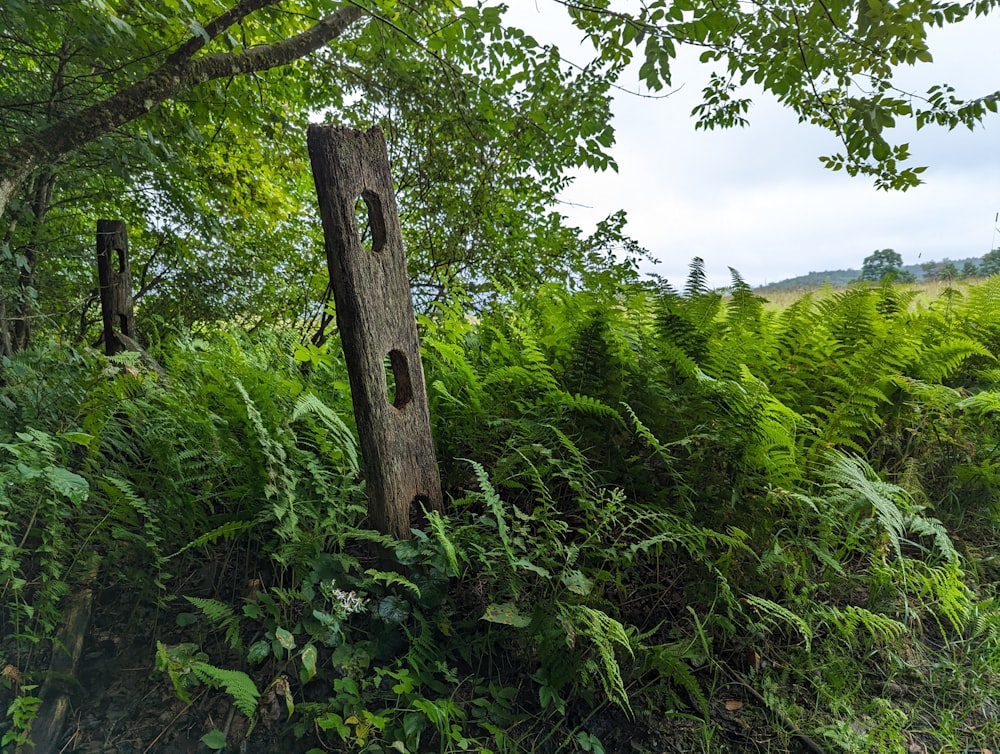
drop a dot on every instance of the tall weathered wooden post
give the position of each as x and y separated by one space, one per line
375 317
115 279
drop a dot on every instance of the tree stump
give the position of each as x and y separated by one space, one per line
374 310
115 279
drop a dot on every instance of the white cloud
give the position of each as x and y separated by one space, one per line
758 199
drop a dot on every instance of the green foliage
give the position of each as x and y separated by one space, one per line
187 667
878 264
655 498
22 711
186 121
990 264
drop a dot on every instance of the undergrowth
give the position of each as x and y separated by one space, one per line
673 516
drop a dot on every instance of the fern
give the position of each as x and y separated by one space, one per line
226 531
235 682
149 520
222 616
661 450
605 634
583 404
772 613
495 505
308 403
983 623
697 281
944 591
390 577
438 526
279 488
942 360
884 498
669 660
847 621
892 506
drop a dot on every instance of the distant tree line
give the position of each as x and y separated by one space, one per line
880 263
884 262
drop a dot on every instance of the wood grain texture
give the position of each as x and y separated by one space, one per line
115 279
375 317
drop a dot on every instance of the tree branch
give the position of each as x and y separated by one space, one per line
178 73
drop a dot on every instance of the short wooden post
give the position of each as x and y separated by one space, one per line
375 317
115 280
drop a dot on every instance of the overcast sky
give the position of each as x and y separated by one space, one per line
758 199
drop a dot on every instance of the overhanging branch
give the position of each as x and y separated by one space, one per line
180 72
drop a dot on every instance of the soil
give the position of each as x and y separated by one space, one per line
123 705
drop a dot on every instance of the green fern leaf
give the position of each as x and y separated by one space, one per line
235 682
771 613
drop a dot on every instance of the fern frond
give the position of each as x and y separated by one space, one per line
604 633
222 616
308 403
944 590
216 611
391 577
225 531
940 361
236 683
438 526
583 404
669 661
772 613
697 282
984 622
495 505
643 431
884 498
882 629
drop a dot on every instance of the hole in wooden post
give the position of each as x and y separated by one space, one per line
399 388
121 260
418 508
370 221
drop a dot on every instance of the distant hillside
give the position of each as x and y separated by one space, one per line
841 278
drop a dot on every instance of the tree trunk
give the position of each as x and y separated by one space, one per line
27 297
376 322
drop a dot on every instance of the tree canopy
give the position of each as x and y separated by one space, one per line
884 262
186 118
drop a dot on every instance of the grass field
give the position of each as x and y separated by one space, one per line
928 291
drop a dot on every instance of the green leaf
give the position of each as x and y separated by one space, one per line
507 614
529 566
80 438
309 659
259 651
577 583
215 740
393 609
285 638
333 721
65 482
413 725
